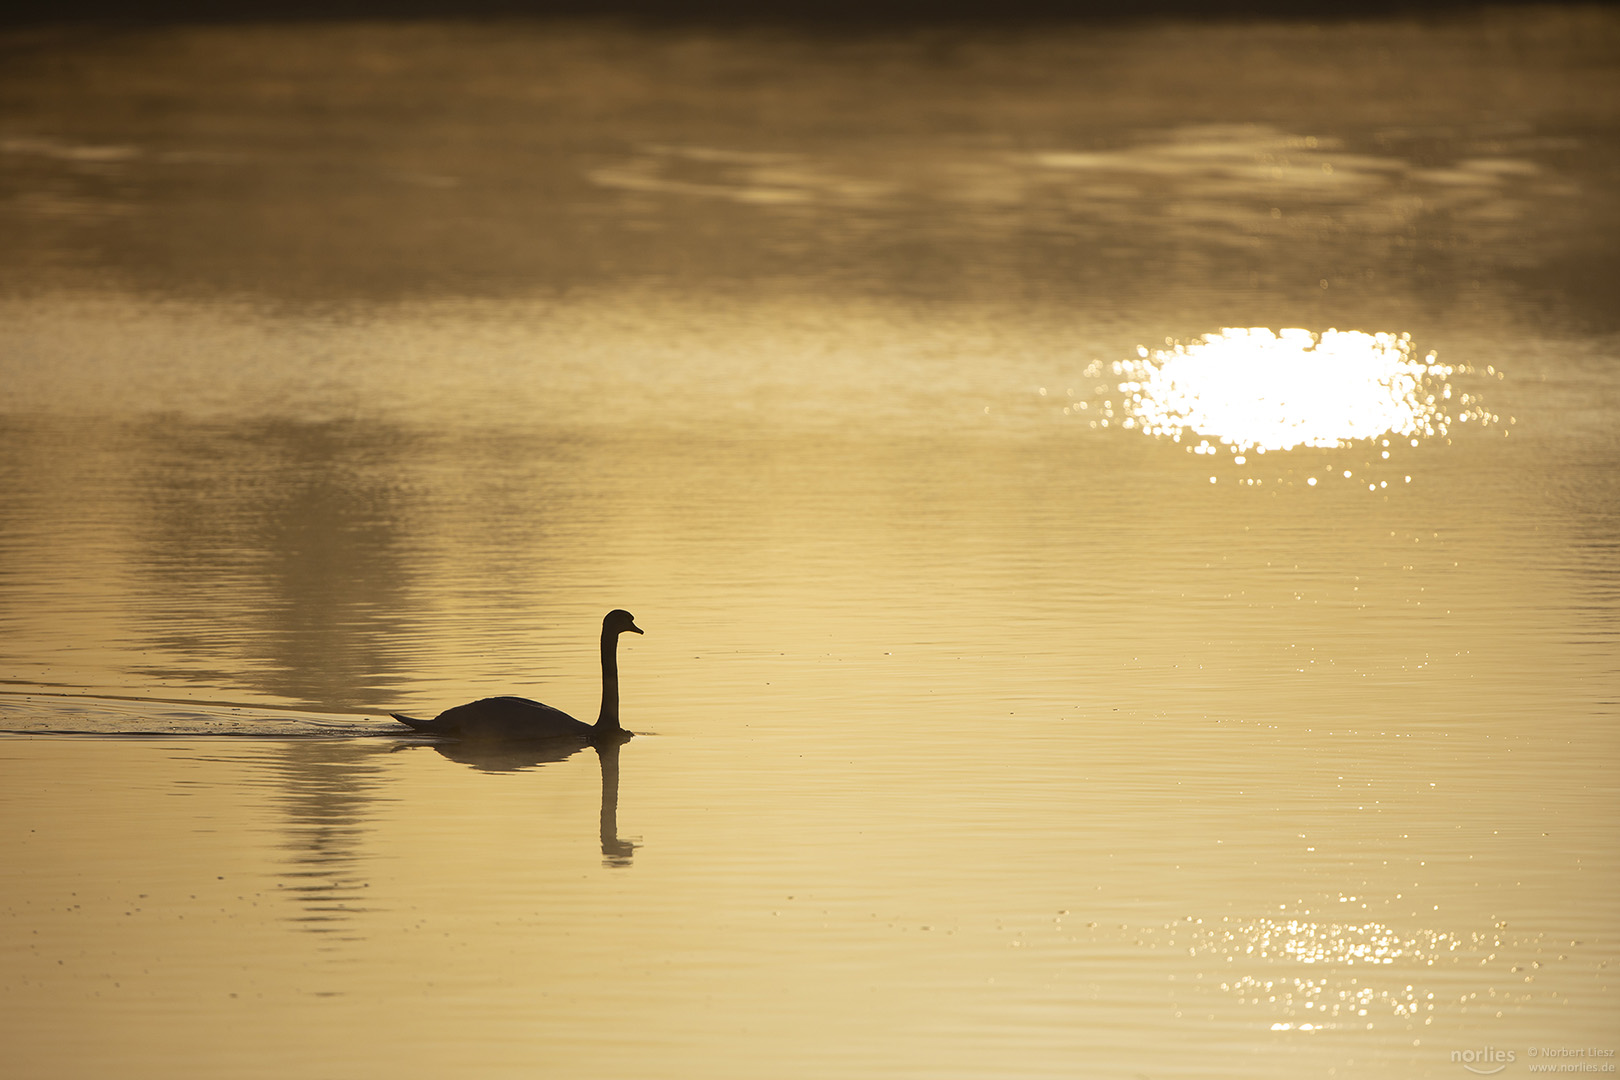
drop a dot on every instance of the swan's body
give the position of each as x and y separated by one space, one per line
513 718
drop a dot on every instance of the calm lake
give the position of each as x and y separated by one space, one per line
1125 520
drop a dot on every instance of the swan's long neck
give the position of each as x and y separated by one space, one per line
609 717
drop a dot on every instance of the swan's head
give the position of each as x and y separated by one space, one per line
618 621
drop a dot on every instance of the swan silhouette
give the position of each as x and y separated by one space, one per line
515 718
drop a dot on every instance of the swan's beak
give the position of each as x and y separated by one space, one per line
634 629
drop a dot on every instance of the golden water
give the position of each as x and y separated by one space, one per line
986 730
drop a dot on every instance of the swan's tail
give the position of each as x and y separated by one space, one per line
413 722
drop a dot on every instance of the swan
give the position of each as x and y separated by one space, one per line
514 718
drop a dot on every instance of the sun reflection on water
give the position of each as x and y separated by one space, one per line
1253 390
1300 973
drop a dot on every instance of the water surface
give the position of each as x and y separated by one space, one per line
987 728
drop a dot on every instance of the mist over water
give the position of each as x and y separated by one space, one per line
1123 517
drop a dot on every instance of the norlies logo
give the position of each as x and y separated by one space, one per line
1485 1062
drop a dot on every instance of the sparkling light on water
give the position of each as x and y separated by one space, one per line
1297 973
1256 390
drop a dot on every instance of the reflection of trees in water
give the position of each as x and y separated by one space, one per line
272 562
274 548
326 787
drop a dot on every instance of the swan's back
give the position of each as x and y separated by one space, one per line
506 718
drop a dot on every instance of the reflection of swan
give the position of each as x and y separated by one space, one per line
615 852
501 757
514 718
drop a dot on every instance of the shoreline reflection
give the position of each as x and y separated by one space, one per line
325 789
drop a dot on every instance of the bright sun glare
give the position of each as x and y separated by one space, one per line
1253 389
